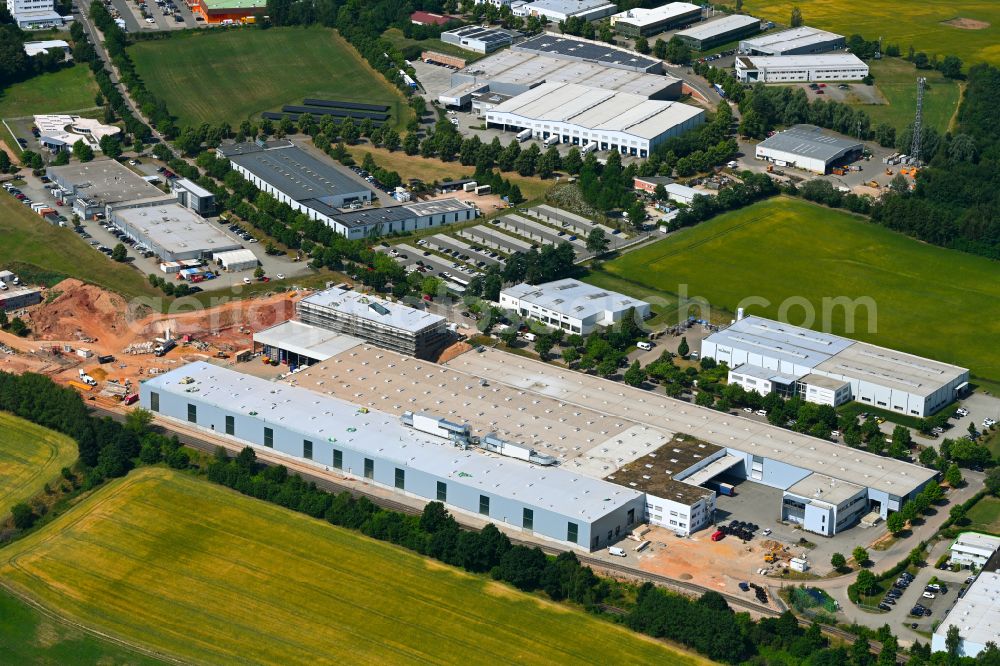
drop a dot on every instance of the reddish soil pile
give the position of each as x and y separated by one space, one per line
81 310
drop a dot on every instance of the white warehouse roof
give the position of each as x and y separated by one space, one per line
841 60
835 355
596 109
710 29
373 308
573 298
977 614
640 16
332 419
787 40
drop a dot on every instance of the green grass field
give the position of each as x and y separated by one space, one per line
985 516
902 22
70 89
30 457
29 636
929 301
28 239
207 575
234 75
897 80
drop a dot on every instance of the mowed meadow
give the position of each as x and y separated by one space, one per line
233 75
206 575
932 26
928 300
30 457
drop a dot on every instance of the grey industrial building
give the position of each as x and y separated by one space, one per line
172 231
641 22
879 377
394 326
376 447
194 196
320 189
367 222
293 176
719 31
477 38
15 298
794 41
577 49
93 187
808 147
604 430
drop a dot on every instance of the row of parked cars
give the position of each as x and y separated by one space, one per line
240 231
372 180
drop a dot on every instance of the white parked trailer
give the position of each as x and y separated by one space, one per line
524 135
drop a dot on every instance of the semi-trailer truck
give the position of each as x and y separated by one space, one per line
552 140
524 135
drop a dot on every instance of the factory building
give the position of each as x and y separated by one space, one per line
172 232
580 115
879 377
681 506
817 389
293 176
394 326
93 187
973 550
478 39
571 305
417 456
795 41
194 196
976 614
366 222
578 49
548 58
719 31
795 68
560 10
754 451
808 147
320 189
824 505
640 22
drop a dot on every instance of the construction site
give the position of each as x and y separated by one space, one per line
100 344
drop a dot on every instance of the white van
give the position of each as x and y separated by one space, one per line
617 552
530 337
643 345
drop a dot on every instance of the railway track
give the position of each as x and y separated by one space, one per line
615 568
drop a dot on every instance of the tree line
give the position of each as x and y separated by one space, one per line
956 202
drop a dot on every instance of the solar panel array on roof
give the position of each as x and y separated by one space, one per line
345 105
337 113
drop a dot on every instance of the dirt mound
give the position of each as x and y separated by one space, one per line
966 24
454 350
230 320
81 311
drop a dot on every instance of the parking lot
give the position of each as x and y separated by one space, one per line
153 15
92 233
